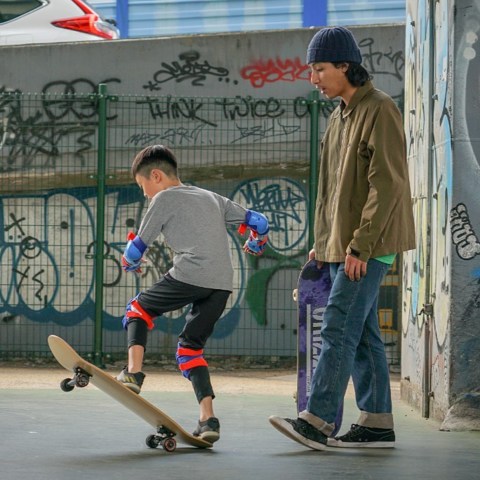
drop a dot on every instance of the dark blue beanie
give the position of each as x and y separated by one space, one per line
333 44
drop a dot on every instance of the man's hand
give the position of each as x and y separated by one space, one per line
355 268
311 256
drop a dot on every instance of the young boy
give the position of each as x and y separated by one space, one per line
194 223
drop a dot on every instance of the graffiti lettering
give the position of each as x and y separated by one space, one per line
249 107
189 68
173 109
278 70
374 60
33 141
78 86
301 107
30 247
67 116
41 285
61 98
268 129
463 236
174 136
16 223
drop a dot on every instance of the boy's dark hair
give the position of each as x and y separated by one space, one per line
155 156
356 74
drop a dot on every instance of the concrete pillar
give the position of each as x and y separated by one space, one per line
441 279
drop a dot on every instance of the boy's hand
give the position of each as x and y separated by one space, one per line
131 266
256 244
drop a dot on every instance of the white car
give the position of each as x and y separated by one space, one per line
49 21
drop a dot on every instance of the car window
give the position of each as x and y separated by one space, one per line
10 9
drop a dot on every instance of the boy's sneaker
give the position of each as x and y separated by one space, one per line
300 431
209 430
133 381
365 437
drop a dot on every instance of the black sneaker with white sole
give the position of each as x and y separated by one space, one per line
300 431
209 430
133 381
365 437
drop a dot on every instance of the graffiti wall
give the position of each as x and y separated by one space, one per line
50 204
47 268
465 212
256 64
237 118
246 73
440 293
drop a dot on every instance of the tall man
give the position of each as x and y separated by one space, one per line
363 219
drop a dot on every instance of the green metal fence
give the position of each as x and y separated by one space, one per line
66 189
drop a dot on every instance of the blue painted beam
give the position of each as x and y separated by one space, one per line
122 17
314 13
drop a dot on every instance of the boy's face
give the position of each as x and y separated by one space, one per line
330 80
152 184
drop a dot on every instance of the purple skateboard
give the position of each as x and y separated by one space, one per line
313 289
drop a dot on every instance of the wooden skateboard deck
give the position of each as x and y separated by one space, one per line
84 372
312 294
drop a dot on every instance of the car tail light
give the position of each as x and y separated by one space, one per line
89 23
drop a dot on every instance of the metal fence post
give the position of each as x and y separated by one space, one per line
313 102
100 232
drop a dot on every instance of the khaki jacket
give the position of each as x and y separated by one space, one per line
364 200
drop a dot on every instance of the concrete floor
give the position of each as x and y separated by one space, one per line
49 434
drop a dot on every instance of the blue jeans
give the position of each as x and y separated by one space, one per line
352 346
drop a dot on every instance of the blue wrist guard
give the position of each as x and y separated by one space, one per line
256 222
132 256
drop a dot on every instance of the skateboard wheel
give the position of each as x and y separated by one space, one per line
152 441
169 444
66 386
82 380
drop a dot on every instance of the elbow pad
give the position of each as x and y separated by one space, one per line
257 222
135 248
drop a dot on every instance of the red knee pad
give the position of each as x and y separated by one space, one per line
135 310
188 359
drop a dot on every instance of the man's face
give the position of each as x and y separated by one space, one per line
329 79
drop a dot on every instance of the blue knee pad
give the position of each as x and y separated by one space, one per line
189 359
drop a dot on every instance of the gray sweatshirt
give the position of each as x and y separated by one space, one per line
193 222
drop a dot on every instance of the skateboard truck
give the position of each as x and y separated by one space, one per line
81 379
163 437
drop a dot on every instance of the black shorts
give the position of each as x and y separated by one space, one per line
207 306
